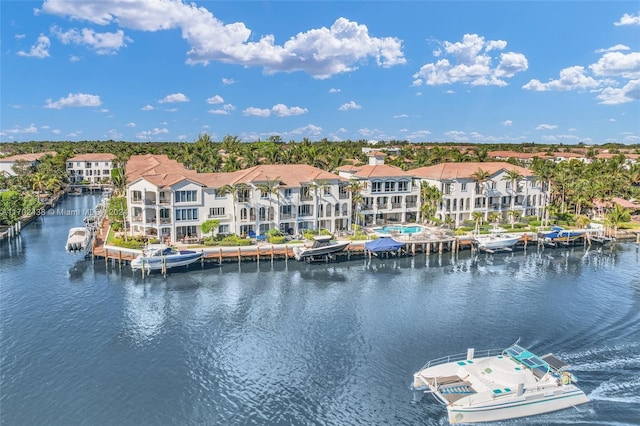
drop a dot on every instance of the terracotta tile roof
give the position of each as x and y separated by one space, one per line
93 157
26 157
615 200
445 171
513 154
375 171
162 171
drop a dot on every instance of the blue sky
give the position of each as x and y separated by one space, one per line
477 71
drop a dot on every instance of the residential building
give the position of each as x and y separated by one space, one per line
32 160
165 199
91 168
387 193
462 194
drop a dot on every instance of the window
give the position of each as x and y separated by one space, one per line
389 186
463 187
508 184
243 195
186 196
219 194
376 186
327 190
403 186
447 188
69 165
287 192
305 210
216 211
136 196
492 185
186 214
342 192
223 229
96 164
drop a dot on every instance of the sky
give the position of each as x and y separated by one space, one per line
548 72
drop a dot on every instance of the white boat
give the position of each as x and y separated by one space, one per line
497 239
78 239
321 249
498 385
155 257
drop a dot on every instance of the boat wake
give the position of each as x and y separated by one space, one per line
622 392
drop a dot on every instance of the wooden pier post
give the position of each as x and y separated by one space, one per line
272 252
440 248
220 261
239 255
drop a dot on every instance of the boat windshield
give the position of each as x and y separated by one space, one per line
528 359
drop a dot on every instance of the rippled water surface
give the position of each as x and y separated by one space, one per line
296 344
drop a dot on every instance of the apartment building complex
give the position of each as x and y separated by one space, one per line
169 201
91 168
506 187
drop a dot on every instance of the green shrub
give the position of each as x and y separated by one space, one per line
277 239
130 244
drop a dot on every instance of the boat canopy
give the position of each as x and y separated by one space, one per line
382 244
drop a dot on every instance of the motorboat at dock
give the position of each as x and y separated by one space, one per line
499 385
496 240
321 249
156 257
78 240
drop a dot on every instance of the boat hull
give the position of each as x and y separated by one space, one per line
497 243
303 254
521 407
156 263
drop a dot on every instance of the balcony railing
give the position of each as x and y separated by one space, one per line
287 216
306 198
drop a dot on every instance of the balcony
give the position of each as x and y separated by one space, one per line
136 219
306 198
287 216
165 220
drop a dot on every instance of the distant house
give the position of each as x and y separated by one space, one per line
91 168
7 163
603 207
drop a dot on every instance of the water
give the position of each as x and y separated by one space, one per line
289 343
402 229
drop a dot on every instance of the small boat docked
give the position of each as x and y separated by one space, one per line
559 234
499 385
155 257
497 239
78 239
321 249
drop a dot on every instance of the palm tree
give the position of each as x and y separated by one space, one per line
269 188
616 216
514 176
430 196
482 177
355 188
478 218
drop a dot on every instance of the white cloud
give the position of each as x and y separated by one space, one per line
418 135
507 123
56 131
401 116
456 136
257 112
131 124
342 130
113 134
308 130
468 62
217 99
228 81
618 64
101 43
148 108
19 36
182 137
225 110
74 58
321 52
174 97
147 134
629 19
282 110
38 50
349 105
75 100
615 48
571 78
332 90
614 96
546 127
19 130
